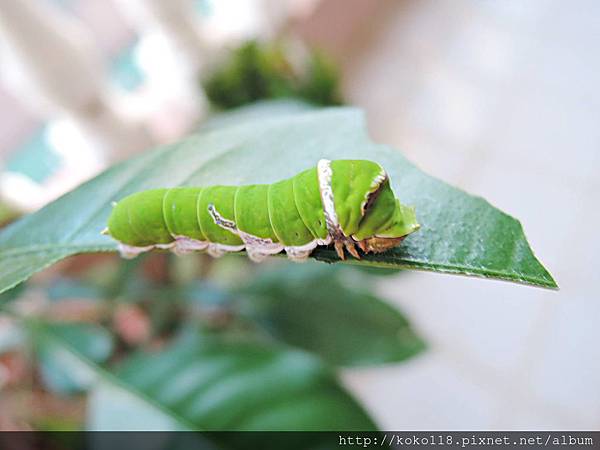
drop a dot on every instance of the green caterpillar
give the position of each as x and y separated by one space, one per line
343 202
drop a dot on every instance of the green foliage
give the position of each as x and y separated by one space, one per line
11 294
211 383
251 355
258 71
460 233
338 317
204 381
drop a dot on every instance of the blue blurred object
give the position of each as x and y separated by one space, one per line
204 7
124 71
36 158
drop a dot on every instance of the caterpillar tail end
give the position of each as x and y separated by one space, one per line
105 232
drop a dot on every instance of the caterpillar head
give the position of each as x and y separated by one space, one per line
366 207
386 221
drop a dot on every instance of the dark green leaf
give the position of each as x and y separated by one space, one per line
460 233
11 294
266 70
210 383
330 312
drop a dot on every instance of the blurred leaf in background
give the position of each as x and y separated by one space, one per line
330 311
259 352
59 371
208 382
11 294
270 70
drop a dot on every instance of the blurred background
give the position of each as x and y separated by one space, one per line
499 98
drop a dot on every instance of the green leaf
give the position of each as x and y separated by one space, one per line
211 383
460 233
205 383
330 312
11 294
264 70
60 370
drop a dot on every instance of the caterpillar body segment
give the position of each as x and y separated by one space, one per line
346 203
307 197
